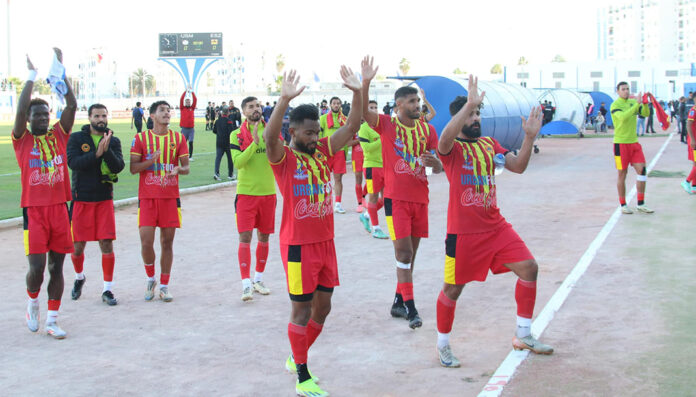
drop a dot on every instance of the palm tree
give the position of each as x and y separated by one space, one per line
558 58
497 69
522 61
404 66
142 81
280 63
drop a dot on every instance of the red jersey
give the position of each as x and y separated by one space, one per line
187 120
469 167
44 166
306 186
357 148
404 176
154 183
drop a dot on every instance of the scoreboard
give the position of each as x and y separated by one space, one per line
190 44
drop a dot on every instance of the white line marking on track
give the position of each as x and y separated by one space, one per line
503 375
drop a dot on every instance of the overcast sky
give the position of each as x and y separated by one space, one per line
436 36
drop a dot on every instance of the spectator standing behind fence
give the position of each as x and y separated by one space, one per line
223 128
187 121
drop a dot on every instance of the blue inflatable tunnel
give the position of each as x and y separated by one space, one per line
599 97
502 107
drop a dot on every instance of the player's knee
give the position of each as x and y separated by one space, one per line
106 246
300 313
453 291
79 247
245 237
530 269
404 256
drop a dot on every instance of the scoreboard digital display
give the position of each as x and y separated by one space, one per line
190 44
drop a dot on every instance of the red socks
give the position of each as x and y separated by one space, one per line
406 290
380 203
261 256
150 270
78 262
244 255
641 198
298 342
164 279
525 295
445 313
338 199
53 304
622 200
313 330
33 295
108 266
358 194
372 210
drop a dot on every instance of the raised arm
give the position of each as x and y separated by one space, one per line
345 134
67 117
531 126
289 90
431 110
195 100
465 116
20 123
368 71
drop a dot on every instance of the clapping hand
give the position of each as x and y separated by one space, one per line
350 80
290 88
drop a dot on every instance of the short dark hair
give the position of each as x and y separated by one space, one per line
155 105
95 106
620 84
137 104
372 101
457 104
247 100
304 112
38 102
332 99
404 92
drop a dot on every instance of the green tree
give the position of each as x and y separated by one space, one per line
497 69
558 58
404 66
142 82
459 71
522 61
280 63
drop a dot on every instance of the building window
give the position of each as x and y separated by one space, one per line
595 86
596 75
634 73
523 75
558 75
558 84
634 86
671 73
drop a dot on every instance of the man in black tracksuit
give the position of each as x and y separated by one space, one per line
223 128
95 158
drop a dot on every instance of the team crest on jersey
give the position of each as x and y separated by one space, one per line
399 143
422 140
319 156
172 145
49 135
85 147
489 149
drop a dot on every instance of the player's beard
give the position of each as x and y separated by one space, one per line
473 130
100 126
304 148
256 116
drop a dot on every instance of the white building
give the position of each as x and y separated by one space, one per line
100 78
647 30
666 80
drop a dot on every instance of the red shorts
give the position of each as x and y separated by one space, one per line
255 212
308 266
93 221
47 228
338 162
374 179
406 219
357 158
468 257
628 153
159 212
692 153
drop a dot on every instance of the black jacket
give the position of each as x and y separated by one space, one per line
88 183
223 128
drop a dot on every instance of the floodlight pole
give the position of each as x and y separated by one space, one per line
191 68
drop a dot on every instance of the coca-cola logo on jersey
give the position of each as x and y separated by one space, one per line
305 209
402 167
479 199
152 179
45 178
